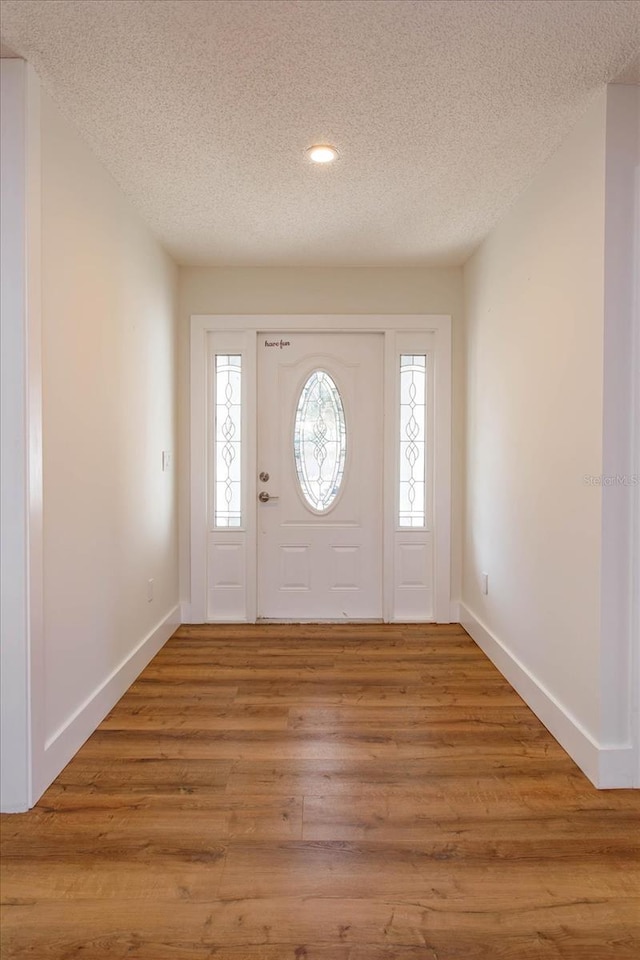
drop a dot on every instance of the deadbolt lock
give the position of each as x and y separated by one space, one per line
263 477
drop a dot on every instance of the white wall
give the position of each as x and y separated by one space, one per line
320 290
537 369
109 410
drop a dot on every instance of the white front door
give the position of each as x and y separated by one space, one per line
320 470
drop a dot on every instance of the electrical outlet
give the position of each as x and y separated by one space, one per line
149 590
166 460
484 582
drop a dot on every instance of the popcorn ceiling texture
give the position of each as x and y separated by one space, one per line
441 111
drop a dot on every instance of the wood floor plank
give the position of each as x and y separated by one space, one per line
325 924
142 774
70 817
322 792
410 819
391 717
154 873
359 673
186 744
448 869
149 715
175 689
393 778
379 692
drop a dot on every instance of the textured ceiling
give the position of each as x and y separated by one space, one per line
441 110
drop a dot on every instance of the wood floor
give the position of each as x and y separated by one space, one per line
322 793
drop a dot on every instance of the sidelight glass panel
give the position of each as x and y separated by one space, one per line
412 464
320 441
228 441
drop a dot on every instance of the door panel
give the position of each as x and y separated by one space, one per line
326 563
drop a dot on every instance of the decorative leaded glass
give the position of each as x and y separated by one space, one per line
228 440
413 393
320 441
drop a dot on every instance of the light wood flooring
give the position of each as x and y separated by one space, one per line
341 792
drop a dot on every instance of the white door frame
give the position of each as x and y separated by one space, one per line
22 753
238 334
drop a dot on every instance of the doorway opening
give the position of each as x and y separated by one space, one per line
320 469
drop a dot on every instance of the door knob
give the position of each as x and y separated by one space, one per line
264 497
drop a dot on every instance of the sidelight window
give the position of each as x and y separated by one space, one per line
412 460
228 441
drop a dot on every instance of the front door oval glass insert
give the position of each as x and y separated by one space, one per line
320 441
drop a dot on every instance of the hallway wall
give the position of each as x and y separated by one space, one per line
109 411
548 299
321 290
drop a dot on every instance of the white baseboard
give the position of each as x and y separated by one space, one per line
185 611
617 768
65 742
454 611
606 766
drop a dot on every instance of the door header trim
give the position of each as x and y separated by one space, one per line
321 323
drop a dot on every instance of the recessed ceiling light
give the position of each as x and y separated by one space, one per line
322 153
